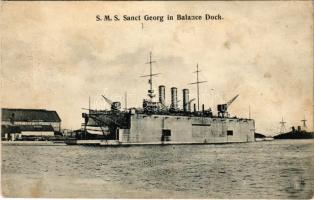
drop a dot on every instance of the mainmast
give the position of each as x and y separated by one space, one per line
282 126
150 80
304 123
198 88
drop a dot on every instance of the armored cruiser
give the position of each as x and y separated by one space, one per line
157 123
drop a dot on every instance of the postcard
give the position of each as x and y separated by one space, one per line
157 99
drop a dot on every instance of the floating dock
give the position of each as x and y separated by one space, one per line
157 123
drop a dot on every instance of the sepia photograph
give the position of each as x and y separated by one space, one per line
157 99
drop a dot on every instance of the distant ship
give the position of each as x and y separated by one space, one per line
299 133
158 123
295 134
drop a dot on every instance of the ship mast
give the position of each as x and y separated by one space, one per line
198 87
88 104
282 125
126 101
304 123
150 80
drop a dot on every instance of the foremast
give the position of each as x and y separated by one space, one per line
150 92
148 104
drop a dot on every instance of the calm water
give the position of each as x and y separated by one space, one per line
276 169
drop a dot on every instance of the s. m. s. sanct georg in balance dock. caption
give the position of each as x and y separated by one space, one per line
158 18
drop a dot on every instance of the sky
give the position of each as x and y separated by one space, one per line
55 55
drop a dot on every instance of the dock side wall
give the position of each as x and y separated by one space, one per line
184 129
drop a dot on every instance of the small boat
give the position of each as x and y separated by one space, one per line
268 138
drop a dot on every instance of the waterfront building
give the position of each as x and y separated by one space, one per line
19 123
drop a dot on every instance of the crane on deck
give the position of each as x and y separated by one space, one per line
223 108
114 105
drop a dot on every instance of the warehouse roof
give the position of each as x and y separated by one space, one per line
28 115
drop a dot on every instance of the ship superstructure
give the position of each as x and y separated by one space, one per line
158 123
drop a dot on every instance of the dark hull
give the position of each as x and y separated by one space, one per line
295 135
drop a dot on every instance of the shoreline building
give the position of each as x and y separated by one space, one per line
19 123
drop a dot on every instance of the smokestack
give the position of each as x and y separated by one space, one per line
194 107
162 94
186 103
174 99
203 107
